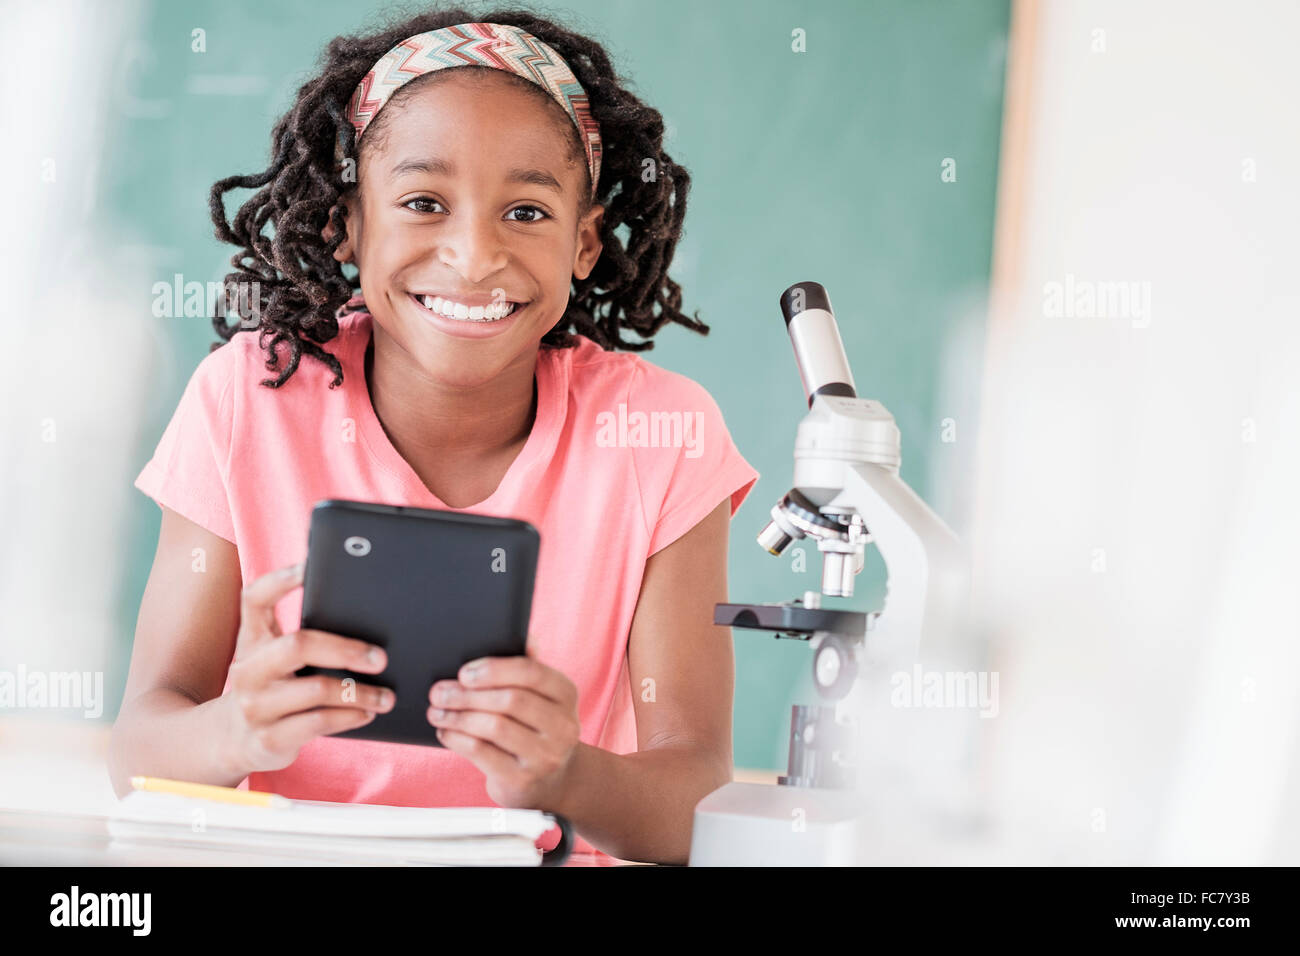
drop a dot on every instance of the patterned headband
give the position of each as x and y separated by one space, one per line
477 44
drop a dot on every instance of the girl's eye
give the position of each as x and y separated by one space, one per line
423 202
533 209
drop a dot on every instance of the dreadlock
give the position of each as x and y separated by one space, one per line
302 289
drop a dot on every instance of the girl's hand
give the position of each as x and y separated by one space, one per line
516 720
272 713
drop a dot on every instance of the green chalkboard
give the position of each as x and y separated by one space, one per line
817 137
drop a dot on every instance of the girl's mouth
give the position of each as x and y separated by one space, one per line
452 311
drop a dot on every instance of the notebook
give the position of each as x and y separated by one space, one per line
342 832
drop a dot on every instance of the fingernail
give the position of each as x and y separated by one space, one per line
376 656
296 570
471 670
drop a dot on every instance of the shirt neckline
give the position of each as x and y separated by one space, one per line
551 388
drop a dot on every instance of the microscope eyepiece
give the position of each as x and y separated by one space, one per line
803 296
818 350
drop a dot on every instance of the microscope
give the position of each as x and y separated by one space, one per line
846 493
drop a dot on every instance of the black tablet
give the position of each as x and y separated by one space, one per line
435 589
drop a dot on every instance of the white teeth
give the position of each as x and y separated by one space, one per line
458 310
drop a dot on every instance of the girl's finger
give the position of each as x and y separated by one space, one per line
520 672
501 731
284 656
297 694
257 601
290 733
488 757
523 704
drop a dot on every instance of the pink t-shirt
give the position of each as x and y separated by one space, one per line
248 462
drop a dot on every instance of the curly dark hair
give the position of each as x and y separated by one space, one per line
302 290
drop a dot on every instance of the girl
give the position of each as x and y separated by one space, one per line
444 280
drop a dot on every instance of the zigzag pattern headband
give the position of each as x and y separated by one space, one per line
476 44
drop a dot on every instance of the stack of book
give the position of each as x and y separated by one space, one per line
195 815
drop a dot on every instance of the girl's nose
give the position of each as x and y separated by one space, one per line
473 247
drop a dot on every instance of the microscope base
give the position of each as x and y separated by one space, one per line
754 824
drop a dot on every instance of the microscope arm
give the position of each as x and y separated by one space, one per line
923 560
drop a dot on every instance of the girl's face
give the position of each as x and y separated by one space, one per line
469 192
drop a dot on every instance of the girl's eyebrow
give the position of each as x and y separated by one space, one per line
441 167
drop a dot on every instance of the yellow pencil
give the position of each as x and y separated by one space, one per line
207 791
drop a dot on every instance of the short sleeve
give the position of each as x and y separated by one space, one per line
189 470
685 458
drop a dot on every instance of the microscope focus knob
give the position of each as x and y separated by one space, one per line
835 667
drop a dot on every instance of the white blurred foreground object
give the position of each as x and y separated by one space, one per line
846 493
1136 561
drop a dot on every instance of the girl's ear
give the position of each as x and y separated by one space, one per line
345 251
589 242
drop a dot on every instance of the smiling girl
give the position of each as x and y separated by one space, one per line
436 259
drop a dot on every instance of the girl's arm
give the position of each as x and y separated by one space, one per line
169 724
641 806
198 625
